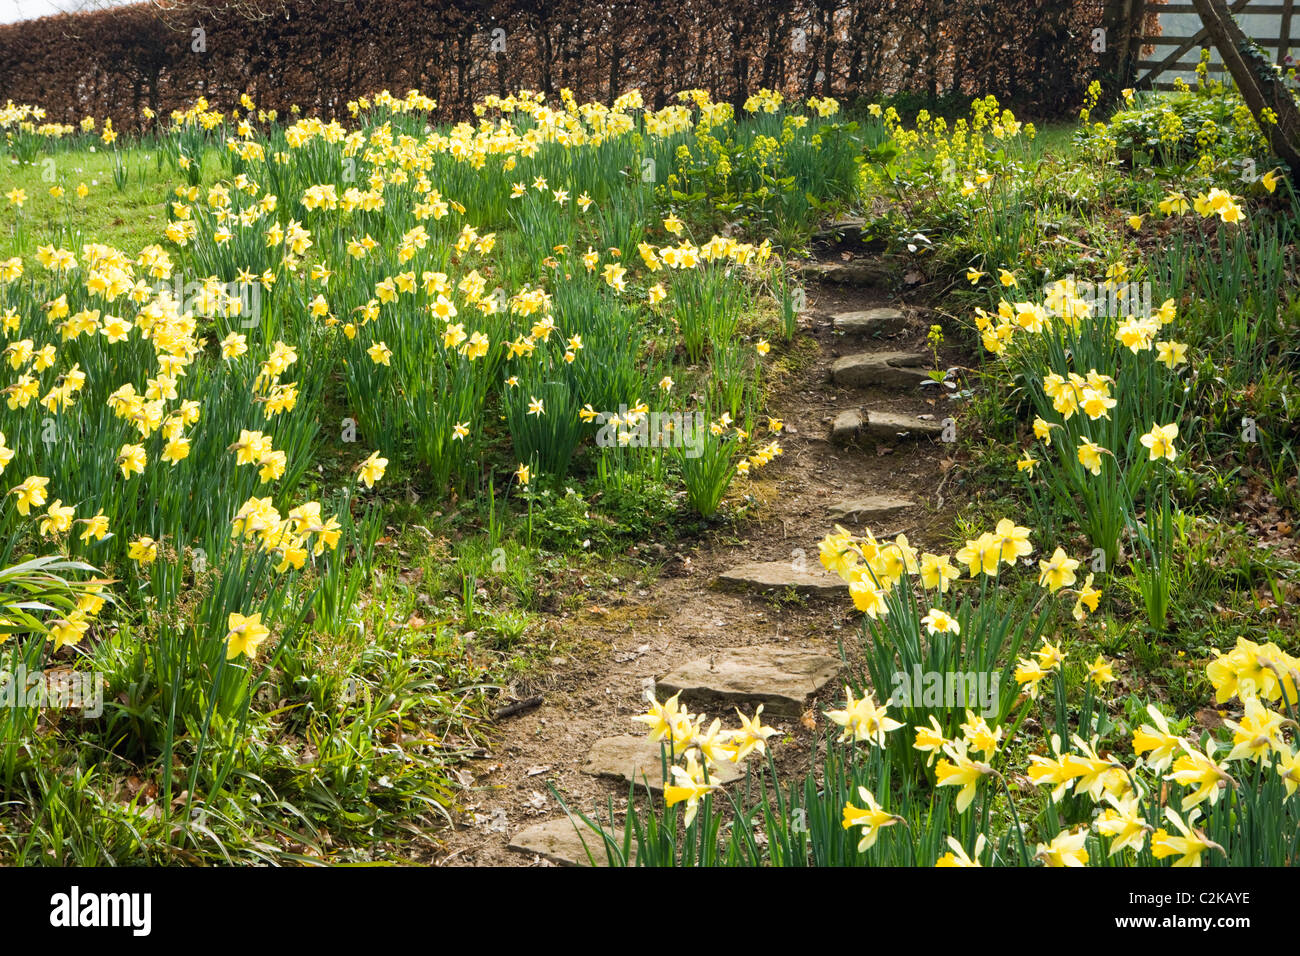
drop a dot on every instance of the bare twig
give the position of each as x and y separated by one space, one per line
517 708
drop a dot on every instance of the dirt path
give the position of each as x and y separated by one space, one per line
635 637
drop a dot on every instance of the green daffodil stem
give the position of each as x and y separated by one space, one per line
1015 821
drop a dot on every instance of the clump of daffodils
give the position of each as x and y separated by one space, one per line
1066 304
1133 800
699 749
1017 330
873 568
293 537
1216 202
1163 799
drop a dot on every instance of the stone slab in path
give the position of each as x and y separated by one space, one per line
863 272
869 508
887 425
635 758
880 321
847 425
781 678
558 842
852 424
811 580
849 228
881 370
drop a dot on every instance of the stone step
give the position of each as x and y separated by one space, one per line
902 370
779 677
854 424
635 758
849 228
860 272
562 842
869 508
870 322
809 580
848 426
889 425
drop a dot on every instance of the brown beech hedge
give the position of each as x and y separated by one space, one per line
318 54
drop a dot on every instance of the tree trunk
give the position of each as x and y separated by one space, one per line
828 52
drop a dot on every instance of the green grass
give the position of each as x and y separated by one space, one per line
129 218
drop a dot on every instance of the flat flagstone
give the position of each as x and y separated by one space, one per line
847 425
887 425
852 424
881 321
558 842
635 758
881 370
779 677
808 579
869 508
865 272
850 227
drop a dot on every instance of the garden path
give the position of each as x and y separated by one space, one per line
738 620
